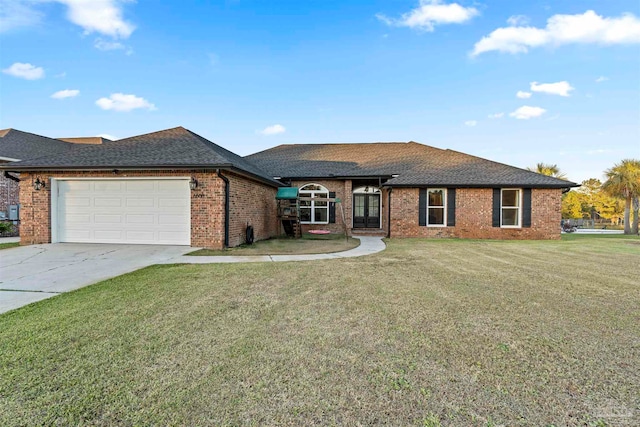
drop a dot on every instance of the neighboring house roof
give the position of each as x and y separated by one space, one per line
176 148
414 164
19 145
86 140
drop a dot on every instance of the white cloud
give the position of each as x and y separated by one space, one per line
123 102
587 28
16 14
496 116
518 20
24 71
66 93
602 79
523 95
526 112
470 123
559 88
273 130
106 45
99 16
61 75
107 136
431 13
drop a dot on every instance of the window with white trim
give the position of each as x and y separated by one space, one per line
314 211
511 207
436 203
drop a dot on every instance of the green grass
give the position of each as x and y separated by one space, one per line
308 244
426 333
9 245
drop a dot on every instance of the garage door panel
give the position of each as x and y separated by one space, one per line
140 219
79 235
107 186
172 219
107 219
140 203
77 185
107 202
78 201
170 203
141 236
124 211
140 185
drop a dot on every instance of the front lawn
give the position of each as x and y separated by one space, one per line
426 333
308 244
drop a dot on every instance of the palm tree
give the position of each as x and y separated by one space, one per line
548 170
623 180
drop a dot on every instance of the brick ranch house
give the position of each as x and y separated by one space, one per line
175 187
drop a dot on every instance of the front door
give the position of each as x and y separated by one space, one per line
366 211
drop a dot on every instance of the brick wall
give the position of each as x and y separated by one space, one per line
207 205
474 212
252 204
343 191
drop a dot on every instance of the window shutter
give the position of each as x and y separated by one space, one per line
332 208
451 207
422 207
526 208
496 207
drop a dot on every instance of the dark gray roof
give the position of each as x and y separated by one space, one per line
15 144
415 164
172 148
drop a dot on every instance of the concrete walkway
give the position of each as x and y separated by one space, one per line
368 245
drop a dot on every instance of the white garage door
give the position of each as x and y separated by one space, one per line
144 211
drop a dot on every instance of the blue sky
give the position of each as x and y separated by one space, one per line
250 75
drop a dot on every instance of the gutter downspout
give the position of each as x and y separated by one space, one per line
389 214
11 177
226 207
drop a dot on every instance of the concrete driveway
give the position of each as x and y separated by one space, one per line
33 273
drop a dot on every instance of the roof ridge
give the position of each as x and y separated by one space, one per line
511 166
29 133
149 133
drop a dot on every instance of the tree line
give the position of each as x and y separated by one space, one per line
614 199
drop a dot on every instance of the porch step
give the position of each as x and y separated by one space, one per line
368 232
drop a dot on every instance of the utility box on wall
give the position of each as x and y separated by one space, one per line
14 212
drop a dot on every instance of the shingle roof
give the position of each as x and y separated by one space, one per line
15 144
415 164
171 148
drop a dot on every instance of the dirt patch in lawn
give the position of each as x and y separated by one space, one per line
308 244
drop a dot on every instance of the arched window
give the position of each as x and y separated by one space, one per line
314 211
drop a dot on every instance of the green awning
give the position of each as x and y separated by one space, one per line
285 193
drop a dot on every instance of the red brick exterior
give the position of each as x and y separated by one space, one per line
474 211
252 204
207 205
343 190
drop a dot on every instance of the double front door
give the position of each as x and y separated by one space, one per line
366 211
